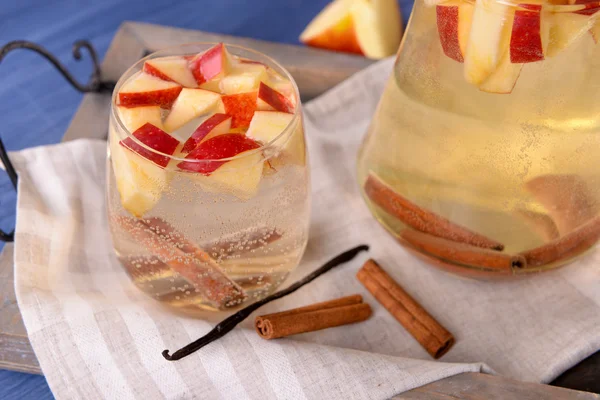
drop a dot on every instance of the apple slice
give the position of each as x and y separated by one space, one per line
271 100
454 25
140 174
190 104
133 118
489 39
371 28
171 69
267 125
154 138
245 77
147 90
566 29
217 124
504 78
211 65
529 36
241 107
239 177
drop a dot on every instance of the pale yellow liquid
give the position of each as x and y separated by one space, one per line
468 155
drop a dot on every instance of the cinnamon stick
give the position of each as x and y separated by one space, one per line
328 314
462 253
421 219
182 256
418 322
565 247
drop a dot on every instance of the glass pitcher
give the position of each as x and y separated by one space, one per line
484 153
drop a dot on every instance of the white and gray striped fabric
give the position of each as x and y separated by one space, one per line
97 337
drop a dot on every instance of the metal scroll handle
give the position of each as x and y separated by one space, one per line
94 85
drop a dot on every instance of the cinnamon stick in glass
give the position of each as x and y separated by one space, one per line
183 257
462 253
328 314
418 322
421 219
569 245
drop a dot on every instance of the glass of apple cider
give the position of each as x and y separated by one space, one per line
207 184
482 157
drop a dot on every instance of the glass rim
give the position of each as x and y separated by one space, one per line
286 74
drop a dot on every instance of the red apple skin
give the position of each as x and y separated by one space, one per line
151 70
216 148
525 39
447 23
163 98
209 64
156 139
591 7
275 99
204 129
241 107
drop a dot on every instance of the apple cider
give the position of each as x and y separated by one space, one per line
483 154
208 185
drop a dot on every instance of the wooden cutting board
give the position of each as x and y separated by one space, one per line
315 71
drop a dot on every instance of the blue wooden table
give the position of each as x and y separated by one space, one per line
36 104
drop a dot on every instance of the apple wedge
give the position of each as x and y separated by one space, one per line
147 90
268 125
239 177
504 78
190 104
241 107
489 39
211 65
133 118
566 29
454 25
371 28
173 69
140 174
245 77
530 34
271 100
153 138
217 124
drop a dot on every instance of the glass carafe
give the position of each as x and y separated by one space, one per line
484 153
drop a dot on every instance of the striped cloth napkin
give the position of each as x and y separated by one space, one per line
96 336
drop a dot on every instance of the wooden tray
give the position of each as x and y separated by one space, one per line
315 71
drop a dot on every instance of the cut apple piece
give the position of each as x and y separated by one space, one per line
489 39
504 77
148 90
153 138
217 124
271 100
241 107
529 36
246 77
133 118
140 177
213 64
174 69
591 7
240 176
190 104
371 28
454 24
267 125
215 149
566 29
